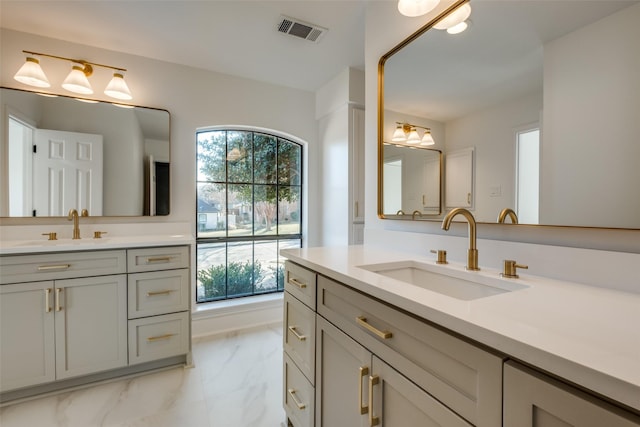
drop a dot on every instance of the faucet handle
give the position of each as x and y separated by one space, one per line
52 235
442 256
510 267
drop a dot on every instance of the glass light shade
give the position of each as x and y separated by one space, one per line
454 18
457 29
398 135
413 8
413 137
427 139
117 88
77 82
31 74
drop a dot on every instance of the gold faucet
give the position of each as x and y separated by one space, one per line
503 215
73 215
472 253
416 212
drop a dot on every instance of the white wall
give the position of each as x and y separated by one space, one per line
384 29
195 98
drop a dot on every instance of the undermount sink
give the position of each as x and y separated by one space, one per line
446 283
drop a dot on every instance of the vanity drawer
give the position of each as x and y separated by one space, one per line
299 335
461 375
158 337
301 283
158 292
298 396
152 259
61 265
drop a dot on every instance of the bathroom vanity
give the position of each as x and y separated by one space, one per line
371 338
79 311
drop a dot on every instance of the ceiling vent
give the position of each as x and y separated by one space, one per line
300 29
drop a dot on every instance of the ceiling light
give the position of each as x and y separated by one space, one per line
77 81
399 134
413 8
31 74
408 133
427 139
457 29
454 18
413 137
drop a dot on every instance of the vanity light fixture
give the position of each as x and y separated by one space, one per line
77 81
454 21
408 133
414 8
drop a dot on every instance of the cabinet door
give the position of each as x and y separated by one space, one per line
26 335
342 369
357 163
90 325
397 402
459 179
532 399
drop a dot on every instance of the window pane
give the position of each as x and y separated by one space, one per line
264 204
240 212
289 210
289 161
265 266
239 269
212 270
285 244
211 156
264 148
239 157
212 219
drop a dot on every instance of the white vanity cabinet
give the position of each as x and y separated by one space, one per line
532 398
62 328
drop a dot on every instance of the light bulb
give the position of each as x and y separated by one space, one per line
413 8
454 18
31 74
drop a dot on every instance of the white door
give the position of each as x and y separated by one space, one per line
67 170
459 179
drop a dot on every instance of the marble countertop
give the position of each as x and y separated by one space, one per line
21 247
588 335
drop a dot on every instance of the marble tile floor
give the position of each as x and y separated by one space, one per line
236 382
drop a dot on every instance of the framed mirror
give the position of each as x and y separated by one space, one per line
61 153
545 95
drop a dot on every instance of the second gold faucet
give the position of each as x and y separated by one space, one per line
472 253
73 216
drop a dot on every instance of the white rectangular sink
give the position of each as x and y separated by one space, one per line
423 275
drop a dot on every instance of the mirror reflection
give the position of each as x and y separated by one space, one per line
535 108
60 153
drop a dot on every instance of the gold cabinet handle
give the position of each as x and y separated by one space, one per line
292 393
469 198
356 213
373 380
58 306
157 293
158 259
47 300
53 267
298 283
160 337
295 332
362 321
364 371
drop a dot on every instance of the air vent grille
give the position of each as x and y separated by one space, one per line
300 29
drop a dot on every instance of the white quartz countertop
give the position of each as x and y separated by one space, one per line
18 247
588 335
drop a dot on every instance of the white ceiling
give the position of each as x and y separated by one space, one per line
235 37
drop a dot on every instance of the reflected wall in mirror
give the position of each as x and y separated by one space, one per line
546 93
60 153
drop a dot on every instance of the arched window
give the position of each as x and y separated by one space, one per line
249 193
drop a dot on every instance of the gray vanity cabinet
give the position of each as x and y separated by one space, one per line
533 399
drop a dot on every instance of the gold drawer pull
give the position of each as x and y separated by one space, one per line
159 259
156 293
298 283
362 321
47 300
53 267
295 332
373 380
364 371
160 337
299 404
58 306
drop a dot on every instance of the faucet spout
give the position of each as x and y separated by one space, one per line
472 253
73 216
503 216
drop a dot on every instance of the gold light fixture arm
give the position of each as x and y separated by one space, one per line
88 69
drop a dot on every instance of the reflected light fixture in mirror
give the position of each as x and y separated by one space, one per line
77 81
414 8
455 18
406 132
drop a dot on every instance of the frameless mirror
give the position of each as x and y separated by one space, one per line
545 96
61 153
